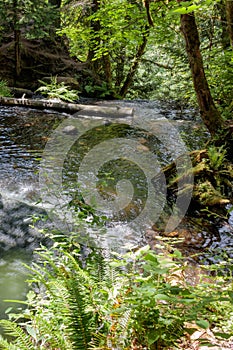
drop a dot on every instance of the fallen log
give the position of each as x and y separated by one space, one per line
73 108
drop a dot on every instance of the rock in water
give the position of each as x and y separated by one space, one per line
16 229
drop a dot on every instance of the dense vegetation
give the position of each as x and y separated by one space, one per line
125 49
140 300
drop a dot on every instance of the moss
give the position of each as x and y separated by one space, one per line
213 178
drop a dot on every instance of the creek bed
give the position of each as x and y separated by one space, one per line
25 134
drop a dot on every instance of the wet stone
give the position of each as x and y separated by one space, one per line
15 230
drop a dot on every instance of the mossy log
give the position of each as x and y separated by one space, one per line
212 184
73 108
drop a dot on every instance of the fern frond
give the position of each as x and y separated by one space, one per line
22 340
80 321
69 301
42 88
100 270
99 342
125 320
51 331
5 345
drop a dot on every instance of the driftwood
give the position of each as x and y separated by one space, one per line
73 108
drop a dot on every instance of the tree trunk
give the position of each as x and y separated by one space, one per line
221 8
95 64
130 76
17 54
120 67
229 17
16 41
107 70
209 113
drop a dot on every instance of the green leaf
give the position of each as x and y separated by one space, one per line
177 254
185 10
230 293
152 337
31 331
223 335
162 297
151 257
202 323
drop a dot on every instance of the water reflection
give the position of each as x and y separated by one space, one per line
12 278
24 134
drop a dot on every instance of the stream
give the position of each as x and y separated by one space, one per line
55 161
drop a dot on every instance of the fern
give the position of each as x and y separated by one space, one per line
22 340
79 325
217 156
69 298
4 89
124 322
55 90
5 345
51 331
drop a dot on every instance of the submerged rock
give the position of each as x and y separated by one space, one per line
17 227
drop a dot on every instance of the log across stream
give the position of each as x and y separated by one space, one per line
89 110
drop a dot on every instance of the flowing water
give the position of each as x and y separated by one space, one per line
154 136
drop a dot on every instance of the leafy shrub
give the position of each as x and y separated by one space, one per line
55 90
4 89
217 157
114 302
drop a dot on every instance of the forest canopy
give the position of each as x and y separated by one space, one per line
125 48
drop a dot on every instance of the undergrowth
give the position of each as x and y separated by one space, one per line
55 90
139 300
4 89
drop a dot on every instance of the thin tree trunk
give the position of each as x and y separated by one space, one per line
95 26
229 17
17 54
95 64
16 41
130 76
107 70
209 113
120 66
221 8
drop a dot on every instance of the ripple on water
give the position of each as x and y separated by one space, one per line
24 134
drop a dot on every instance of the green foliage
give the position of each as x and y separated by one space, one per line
164 70
107 35
55 90
23 340
35 18
185 9
164 73
113 302
4 89
213 182
103 90
221 81
217 156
